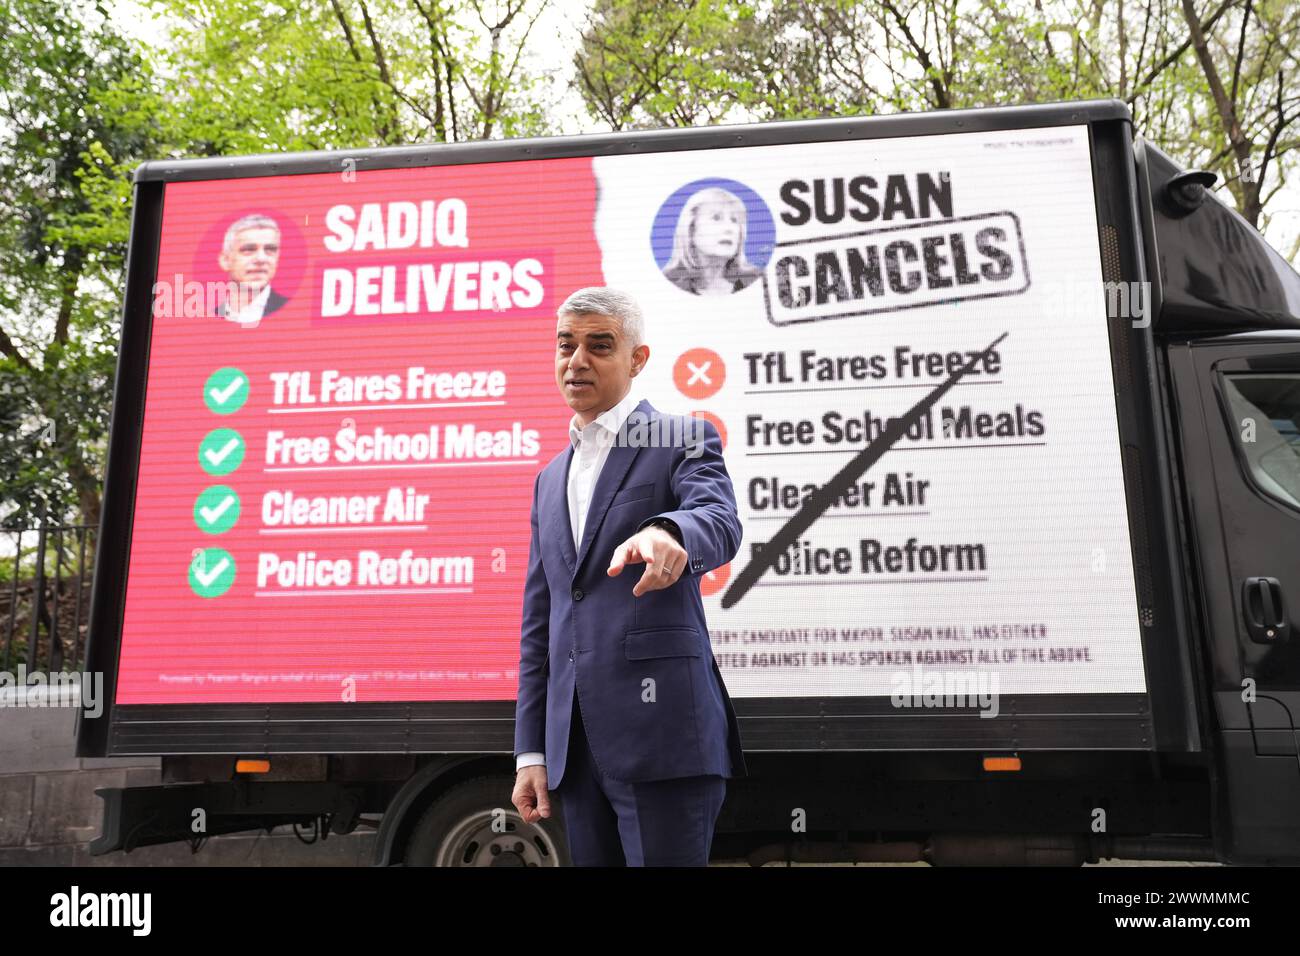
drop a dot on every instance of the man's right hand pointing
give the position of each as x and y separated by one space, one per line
664 558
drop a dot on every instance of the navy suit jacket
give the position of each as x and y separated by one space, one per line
653 702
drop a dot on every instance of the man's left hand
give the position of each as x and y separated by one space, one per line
665 559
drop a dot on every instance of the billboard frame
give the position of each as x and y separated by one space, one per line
1164 718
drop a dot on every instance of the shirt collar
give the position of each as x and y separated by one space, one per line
610 420
256 308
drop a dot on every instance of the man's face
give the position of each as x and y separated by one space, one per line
252 260
594 363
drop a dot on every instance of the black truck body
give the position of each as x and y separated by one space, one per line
1205 765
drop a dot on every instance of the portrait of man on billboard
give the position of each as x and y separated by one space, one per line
249 256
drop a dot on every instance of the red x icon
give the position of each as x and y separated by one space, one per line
699 373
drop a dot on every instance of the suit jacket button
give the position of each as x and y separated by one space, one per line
577 594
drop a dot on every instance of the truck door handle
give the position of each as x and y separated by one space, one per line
1265 611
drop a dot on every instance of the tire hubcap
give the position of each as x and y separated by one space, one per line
473 842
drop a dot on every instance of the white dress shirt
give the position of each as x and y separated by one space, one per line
591 445
252 314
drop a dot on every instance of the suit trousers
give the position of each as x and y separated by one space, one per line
655 823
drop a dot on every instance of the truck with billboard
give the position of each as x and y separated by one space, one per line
1010 405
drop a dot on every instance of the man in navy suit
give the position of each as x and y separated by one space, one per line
621 709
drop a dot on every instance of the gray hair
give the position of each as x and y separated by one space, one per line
254 221
602 300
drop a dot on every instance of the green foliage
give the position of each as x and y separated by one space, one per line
650 63
248 77
70 138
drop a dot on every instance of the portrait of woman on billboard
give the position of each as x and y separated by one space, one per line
708 256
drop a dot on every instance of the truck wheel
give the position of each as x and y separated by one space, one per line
457 830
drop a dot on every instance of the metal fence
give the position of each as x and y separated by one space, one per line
45 578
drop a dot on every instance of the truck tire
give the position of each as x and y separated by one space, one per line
457 830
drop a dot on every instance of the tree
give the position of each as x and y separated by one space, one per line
69 146
249 78
1250 69
652 63
1174 62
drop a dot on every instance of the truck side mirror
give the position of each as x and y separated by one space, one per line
1186 191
